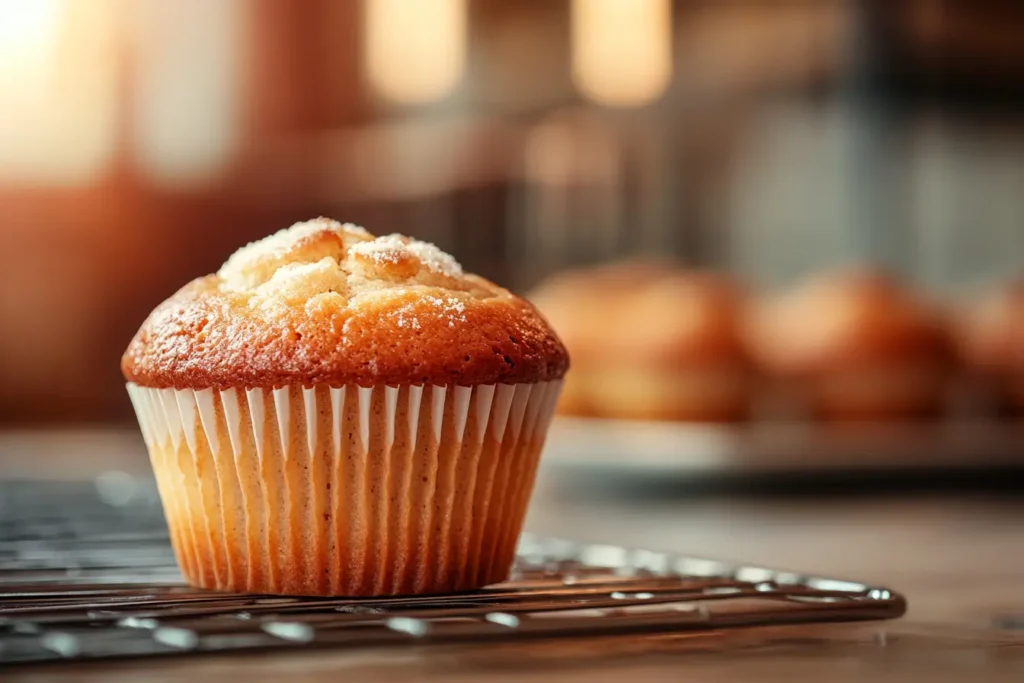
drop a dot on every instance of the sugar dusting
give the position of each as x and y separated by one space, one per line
449 309
307 264
453 309
412 321
306 242
283 241
390 249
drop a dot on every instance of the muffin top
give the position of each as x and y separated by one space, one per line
990 331
851 316
690 317
326 303
581 302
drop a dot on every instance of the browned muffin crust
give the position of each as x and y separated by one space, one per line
581 302
323 303
682 320
990 332
843 319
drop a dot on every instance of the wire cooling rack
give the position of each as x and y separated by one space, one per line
86 572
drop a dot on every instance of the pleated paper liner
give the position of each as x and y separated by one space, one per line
346 491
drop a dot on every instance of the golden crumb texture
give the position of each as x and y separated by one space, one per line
327 303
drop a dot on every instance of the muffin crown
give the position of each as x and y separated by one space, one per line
990 332
690 317
326 303
846 317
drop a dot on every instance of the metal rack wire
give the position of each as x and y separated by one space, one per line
87 573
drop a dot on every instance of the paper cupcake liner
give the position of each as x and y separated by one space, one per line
346 491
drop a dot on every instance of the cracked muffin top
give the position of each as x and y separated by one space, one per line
327 303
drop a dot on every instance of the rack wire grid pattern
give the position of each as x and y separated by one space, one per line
87 572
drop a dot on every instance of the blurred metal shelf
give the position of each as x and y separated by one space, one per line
682 449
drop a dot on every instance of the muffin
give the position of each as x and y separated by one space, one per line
337 414
579 304
990 344
854 345
675 352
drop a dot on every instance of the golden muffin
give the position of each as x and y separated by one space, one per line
337 414
674 351
579 304
990 342
857 345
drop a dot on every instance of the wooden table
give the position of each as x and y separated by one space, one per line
959 559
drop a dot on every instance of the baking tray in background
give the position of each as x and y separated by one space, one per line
689 450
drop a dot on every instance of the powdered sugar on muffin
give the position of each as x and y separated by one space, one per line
394 248
327 302
325 257
308 242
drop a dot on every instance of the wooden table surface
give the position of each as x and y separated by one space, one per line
957 556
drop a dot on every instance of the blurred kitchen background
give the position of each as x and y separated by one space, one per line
141 141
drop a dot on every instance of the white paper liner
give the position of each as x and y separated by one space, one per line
346 491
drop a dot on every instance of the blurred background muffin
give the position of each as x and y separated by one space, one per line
650 340
582 305
990 341
855 344
672 351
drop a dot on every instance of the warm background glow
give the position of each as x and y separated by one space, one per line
187 104
58 90
415 49
142 140
622 50
26 28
